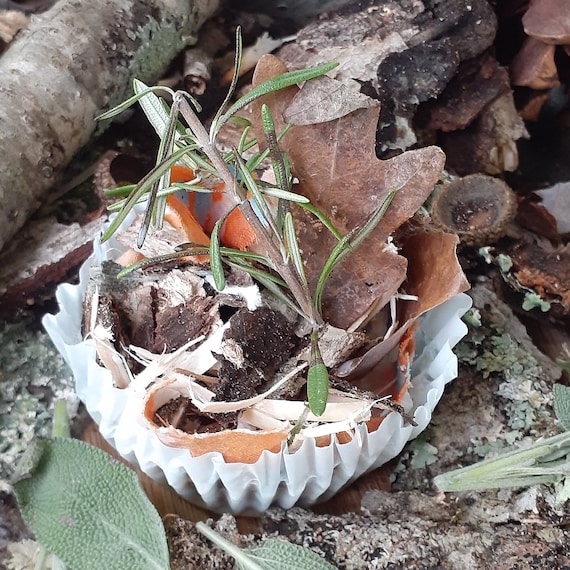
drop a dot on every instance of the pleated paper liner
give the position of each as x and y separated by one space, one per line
310 473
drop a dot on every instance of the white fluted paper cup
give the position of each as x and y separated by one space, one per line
307 475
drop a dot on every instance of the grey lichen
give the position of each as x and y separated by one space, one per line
32 376
521 384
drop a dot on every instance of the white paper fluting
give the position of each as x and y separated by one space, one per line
304 476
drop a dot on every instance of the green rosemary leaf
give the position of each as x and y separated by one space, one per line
215 256
235 78
293 248
284 194
119 191
141 91
141 188
347 244
317 379
322 218
269 86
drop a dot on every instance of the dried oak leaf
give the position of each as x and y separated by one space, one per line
434 275
338 171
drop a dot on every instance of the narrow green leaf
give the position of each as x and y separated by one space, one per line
322 218
272 283
215 256
120 191
141 91
347 244
140 189
233 83
152 106
269 86
90 511
256 196
277 162
317 379
156 205
561 396
293 248
190 249
284 195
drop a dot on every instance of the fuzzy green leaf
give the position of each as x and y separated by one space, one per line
90 511
561 396
272 554
275 554
545 461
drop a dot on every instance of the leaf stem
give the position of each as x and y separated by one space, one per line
236 552
60 419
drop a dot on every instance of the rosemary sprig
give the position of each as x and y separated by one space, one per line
277 264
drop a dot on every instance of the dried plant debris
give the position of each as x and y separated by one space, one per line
207 361
548 20
430 69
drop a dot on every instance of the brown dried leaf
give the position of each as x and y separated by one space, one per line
434 275
325 99
337 169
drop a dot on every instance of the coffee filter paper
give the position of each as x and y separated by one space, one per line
309 474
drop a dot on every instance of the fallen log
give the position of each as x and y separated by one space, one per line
70 63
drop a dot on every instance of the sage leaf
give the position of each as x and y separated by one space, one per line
545 461
272 554
561 396
89 510
275 554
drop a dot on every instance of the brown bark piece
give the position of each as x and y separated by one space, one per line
477 208
72 62
40 257
534 66
489 143
548 20
545 269
477 83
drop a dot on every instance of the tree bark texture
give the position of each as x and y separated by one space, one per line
72 62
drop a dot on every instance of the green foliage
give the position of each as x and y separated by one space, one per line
545 461
89 509
562 404
272 554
